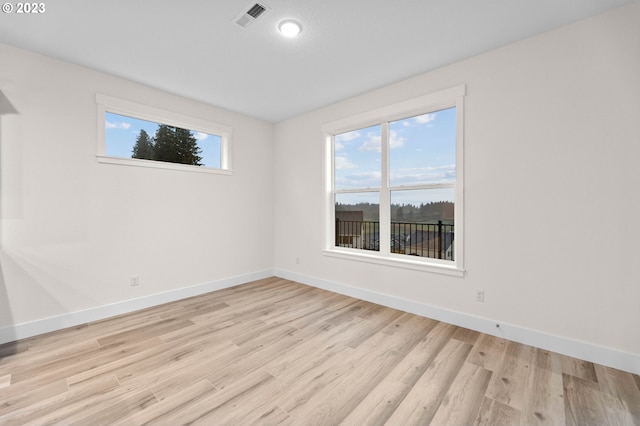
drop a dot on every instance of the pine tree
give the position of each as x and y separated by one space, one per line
188 147
165 148
143 147
176 145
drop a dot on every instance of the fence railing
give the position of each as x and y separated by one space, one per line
433 240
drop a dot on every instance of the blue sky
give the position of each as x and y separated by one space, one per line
121 133
422 152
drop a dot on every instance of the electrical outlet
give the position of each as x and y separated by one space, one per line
135 280
479 295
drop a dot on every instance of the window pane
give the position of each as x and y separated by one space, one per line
357 220
422 223
423 149
129 137
357 158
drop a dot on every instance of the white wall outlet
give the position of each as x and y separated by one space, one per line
479 295
135 280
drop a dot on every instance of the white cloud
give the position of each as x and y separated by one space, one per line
200 136
337 146
420 119
346 137
424 175
425 118
371 144
395 140
359 180
121 125
343 163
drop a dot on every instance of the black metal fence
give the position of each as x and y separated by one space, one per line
433 240
358 234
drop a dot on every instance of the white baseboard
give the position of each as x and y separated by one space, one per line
59 322
563 345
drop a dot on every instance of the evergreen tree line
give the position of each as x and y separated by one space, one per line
170 144
424 213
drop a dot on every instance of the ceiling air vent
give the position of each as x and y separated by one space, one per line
253 11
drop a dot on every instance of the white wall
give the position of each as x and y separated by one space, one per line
73 231
552 198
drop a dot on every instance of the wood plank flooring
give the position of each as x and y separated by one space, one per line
278 352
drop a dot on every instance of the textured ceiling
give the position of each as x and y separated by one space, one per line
347 47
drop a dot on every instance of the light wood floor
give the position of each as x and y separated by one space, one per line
278 352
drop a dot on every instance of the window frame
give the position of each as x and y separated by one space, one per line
433 102
131 109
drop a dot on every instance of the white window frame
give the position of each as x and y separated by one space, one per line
452 97
127 108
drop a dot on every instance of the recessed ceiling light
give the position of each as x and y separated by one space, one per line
289 28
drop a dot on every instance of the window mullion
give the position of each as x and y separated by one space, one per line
385 196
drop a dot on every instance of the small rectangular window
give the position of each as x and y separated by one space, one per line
140 135
129 137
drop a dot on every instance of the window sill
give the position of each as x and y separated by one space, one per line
397 262
160 165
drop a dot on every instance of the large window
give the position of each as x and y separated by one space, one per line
394 184
139 135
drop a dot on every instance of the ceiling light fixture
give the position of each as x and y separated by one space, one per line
289 28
